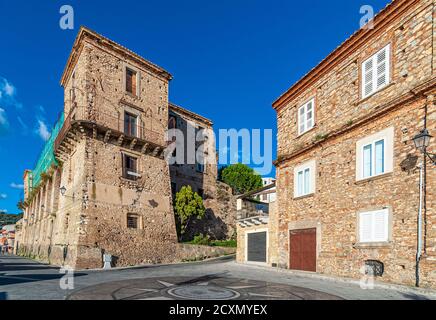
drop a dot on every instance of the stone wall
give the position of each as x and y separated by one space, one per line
89 218
342 118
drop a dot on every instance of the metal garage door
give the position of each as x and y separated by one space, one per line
256 247
303 250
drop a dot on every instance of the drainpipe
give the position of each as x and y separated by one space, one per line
419 242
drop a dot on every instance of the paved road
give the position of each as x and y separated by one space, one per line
26 279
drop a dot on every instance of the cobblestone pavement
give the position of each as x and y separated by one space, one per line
219 279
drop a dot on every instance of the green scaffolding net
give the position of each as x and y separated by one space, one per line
47 157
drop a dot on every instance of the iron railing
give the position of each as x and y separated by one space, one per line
111 121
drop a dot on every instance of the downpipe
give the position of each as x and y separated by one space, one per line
419 227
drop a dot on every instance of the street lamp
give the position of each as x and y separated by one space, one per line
63 190
422 141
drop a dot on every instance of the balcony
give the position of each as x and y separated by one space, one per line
251 211
108 127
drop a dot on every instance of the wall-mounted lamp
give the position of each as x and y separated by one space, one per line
422 141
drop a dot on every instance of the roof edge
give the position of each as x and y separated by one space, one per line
387 14
84 32
180 109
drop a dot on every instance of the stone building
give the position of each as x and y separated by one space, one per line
347 169
102 183
219 221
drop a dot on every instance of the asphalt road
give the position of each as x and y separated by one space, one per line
218 279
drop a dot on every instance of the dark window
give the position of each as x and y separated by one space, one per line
173 188
199 167
172 122
130 81
130 167
200 192
132 221
130 124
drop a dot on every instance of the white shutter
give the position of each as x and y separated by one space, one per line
365 227
376 72
382 61
368 77
309 115
301 120
380 221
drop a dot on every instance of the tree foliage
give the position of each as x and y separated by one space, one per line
241 178
188 205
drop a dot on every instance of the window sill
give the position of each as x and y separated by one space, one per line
131 95
373 178
372 245
306 132
310 195
362 100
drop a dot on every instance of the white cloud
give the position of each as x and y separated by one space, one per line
16 185
3 120
3 196
8 88
42 130
3 211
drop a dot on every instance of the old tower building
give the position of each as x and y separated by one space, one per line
348 178
102 184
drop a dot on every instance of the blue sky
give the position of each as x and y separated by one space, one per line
230 60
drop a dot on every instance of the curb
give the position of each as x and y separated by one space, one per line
331 278
144 266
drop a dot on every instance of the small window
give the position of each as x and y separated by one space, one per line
199 167
374 159
130 167
130 124
376 72
172 122
374 226
306 118
173 188
132 221
131 79
304 179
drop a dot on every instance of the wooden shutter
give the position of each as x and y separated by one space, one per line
301 120
134 78
365 227
309 115
382 62
368 77
380 226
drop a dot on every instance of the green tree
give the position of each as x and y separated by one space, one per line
188 205
241 178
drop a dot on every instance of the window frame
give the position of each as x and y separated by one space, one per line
388 136
309 166
136 127
299 120
375 74
137 218
136 92
373 168
125 175
387 226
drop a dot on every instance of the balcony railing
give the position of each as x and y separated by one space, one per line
111 121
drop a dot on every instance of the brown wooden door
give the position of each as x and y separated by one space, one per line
303 250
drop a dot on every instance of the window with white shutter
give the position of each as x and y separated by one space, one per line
376 72
306 117
374 226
